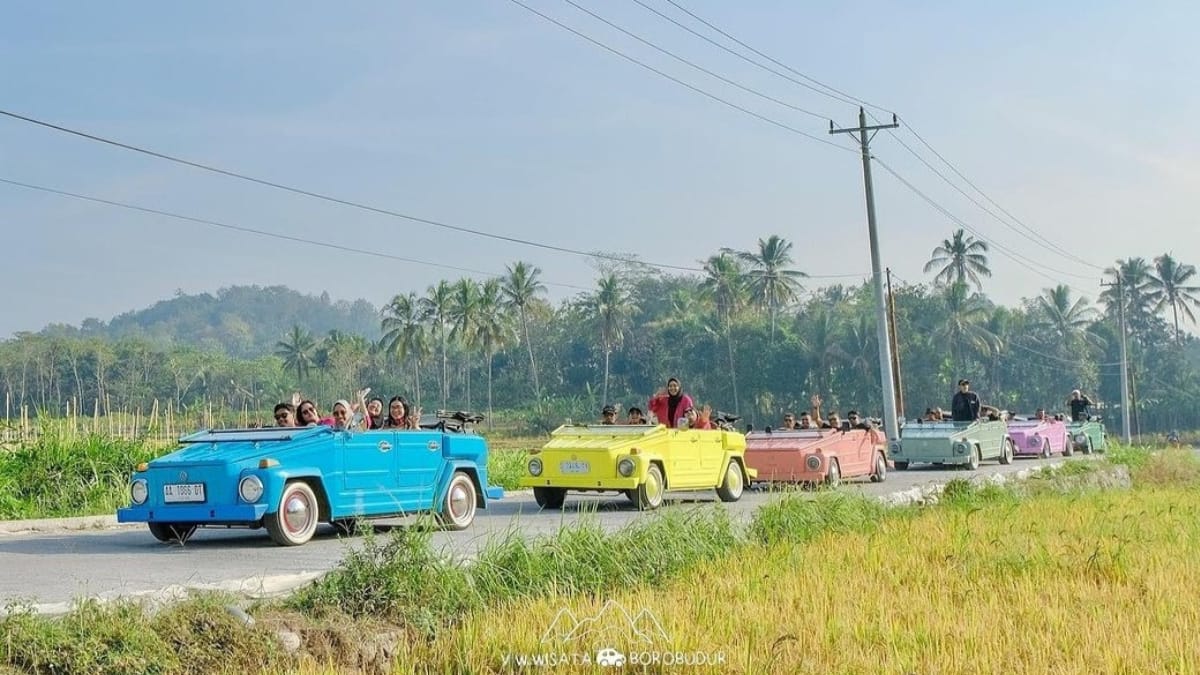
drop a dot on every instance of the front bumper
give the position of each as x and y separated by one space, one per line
930 455
215 514
582 482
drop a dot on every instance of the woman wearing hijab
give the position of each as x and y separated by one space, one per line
669 404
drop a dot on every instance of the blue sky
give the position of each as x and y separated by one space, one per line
1077 117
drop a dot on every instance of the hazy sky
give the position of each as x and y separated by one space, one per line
1077 117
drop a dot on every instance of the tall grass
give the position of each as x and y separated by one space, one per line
59 475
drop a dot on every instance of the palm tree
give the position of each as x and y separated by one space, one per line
820 343
404 334
464 311
770 283
961 258
966 317
493 330
610 307
521 287
297 351
724 285
1066 321
1168 286
435 307
1130 278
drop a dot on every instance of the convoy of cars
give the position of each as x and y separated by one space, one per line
289 480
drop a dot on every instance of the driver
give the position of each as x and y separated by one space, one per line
608 415
1079 404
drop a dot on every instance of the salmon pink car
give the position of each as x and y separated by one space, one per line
816 455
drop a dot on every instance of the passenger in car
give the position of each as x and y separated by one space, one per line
307 415
636 416
608 415
285 415
1040 415
698 420
789 421
834 421
856 422
375 413
668 404
398 417
805 422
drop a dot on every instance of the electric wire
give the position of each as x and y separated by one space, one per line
676 80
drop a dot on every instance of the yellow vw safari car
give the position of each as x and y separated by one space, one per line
640 461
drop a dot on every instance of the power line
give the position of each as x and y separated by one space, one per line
700 68
1022 260
300 240
628 258
678 81
845 98
1060 359
262 233
739 55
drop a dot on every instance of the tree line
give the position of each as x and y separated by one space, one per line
746 335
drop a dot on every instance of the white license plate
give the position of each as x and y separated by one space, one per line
574 466
183 492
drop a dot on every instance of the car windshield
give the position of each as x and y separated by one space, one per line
606 429
250 435
786 433
933 429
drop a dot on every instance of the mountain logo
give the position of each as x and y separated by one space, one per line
613 624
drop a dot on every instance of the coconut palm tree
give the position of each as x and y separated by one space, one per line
1066 321
1169 286
962 258
297 350
493 329
610 307
464 311
435 308
521 288
1131 278
965 325
404 334
724 285
769 280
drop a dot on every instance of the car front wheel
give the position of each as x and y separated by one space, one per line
459 503
169 532
833 477
900 465
549 498
295 521
650 492
1007 451
973 460
731 489
880 473
1068 447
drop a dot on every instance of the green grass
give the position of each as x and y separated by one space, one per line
58 476
506 467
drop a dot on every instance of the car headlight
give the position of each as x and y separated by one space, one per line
1081 438
812 463
894 448
625 467
138 491
250 489
535 467
960 448
1034 441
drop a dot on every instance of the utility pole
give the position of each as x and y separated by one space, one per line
1125 424
897 381
890 422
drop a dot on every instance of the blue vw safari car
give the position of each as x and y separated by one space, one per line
290 479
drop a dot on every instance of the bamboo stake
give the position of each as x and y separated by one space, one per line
95 415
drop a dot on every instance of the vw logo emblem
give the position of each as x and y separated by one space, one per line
433 445
182 476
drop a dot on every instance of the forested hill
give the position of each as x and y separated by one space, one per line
242 321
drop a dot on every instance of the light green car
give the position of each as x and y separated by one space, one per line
965 443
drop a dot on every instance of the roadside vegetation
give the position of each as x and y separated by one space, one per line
992 577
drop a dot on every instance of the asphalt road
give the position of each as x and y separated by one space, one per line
49 570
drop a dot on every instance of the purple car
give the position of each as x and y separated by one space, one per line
1042 438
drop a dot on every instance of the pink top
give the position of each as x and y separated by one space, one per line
659 405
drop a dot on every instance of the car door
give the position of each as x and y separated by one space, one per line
418 462
685 469
368 477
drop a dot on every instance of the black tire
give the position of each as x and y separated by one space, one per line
973 460
1068 447
900 466
650 492
295 518
549 497
880 473
1046 448
833 475
459 503
733 485
1007 451
1087 446
172 532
